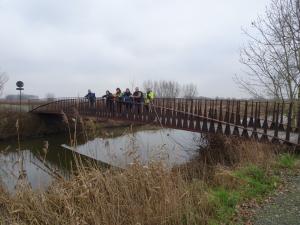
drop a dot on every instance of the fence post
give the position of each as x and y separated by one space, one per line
232 112
227 119
264 137
204 125
275 138
288 129
250 124
254 131
281 127
245 118
273 116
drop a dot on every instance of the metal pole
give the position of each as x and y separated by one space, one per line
20 100
20 86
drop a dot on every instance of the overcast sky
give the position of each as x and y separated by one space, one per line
66 47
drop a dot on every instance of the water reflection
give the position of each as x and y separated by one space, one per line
173 147
32 172
29 166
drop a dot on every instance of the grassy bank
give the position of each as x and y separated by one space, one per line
205 191
30 125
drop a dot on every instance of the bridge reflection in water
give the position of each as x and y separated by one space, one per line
271 121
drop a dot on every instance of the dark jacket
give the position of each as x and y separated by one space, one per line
138 96
91 97
127 96
108 96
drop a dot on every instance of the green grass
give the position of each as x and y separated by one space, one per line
255 184
287 161
225 202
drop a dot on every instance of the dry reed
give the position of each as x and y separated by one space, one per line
223 153
137 195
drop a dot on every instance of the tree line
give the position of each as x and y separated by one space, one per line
171 89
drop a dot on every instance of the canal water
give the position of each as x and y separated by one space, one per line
42 159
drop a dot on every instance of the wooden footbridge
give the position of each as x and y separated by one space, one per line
272 121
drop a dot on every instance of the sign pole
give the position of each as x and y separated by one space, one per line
20 88
20 101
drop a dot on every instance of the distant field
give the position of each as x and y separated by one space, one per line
27 105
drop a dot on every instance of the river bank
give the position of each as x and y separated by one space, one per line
29 125
206 190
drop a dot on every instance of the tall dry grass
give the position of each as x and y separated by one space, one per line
236 151
137 195
221 152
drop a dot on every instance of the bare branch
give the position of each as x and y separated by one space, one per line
272 56
189 90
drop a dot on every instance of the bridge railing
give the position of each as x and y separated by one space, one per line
257 113
263 118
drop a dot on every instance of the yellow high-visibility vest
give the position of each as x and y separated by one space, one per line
149 97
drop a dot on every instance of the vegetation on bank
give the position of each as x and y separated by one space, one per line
204 191
30 125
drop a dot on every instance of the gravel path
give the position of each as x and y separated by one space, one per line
284 209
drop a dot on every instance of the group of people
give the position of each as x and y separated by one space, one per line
127 98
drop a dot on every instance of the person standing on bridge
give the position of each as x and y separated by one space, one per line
118 94
150 95
127 99
109 100
118 99
138 99
91 97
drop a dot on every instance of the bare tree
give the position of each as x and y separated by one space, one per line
189 90
149 84
272 56
50 97
3 80
132 84
163 88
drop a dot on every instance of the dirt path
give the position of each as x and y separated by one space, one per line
285 207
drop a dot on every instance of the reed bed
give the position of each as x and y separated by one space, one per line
140 194
137 195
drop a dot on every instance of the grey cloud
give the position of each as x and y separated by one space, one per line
104 44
